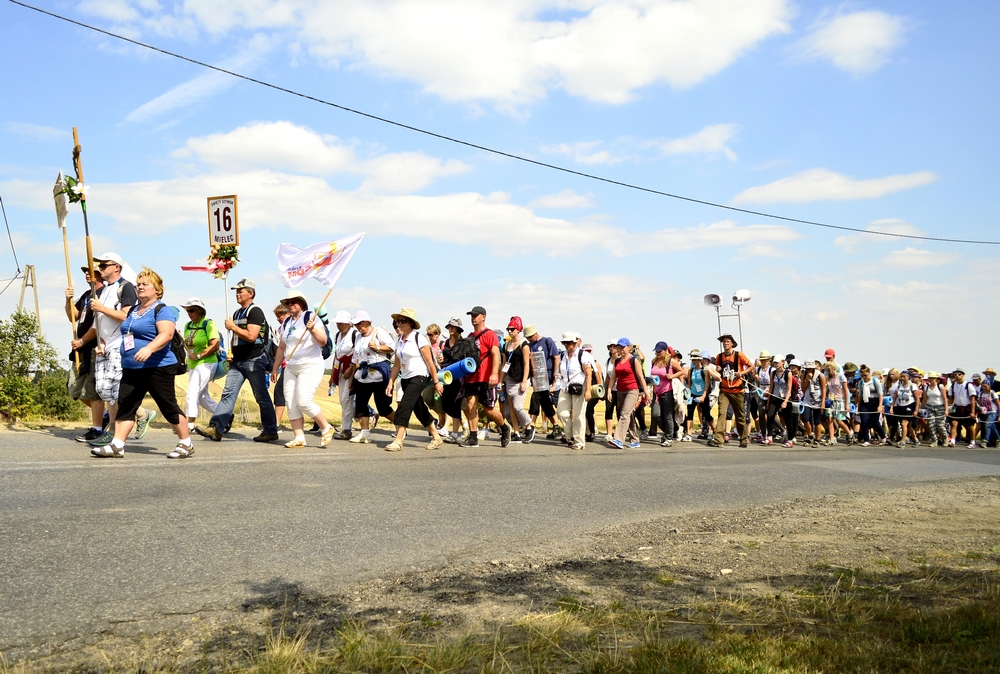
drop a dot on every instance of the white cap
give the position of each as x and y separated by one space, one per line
110 257
342 317
360 317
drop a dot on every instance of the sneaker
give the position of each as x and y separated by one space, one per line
326 437
181 452
343 435
529 434
665 442
951 443
210 432
643 435
551 436
315 430
108 451
866 444
916 443
142 425
686 438
635 445
91 434
614 442
483 434
516 439
470 440
451 438
505 432
361 438
103 439
589 437
266 437
744 445
712 442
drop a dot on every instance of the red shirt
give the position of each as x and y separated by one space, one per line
485 340
625 375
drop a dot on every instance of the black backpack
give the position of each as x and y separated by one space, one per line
176 345
466 347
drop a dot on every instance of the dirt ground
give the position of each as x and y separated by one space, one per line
670 562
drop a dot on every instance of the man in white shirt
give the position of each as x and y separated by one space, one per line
576 373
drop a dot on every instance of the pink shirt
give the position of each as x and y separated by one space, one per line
664 385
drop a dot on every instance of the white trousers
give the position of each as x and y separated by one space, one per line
197 394
301 382
571 412
346 404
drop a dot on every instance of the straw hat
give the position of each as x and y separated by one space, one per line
408 314
295 295
764 355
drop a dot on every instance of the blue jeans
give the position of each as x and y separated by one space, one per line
989 427
240 371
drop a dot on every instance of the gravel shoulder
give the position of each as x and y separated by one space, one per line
894 536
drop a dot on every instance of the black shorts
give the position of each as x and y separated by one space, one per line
485 394
813 415
279 390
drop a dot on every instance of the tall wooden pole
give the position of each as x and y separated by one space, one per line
58 194
78 167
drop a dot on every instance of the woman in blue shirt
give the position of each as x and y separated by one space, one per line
148 366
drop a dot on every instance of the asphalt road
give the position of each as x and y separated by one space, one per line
89 545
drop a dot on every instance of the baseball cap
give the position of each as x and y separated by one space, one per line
476 310
109 257
245 283
624 342
795 362
830 353
587 347
660 346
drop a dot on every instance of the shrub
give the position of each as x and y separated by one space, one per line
23 352
52 399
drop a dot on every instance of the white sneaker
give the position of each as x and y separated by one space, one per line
361 437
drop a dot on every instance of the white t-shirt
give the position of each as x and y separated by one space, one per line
570 370
960 392
933 394
363 353
107 327
344 344
308 350
411 362
903 395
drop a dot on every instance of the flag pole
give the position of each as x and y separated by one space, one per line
318 309
78 167
59 191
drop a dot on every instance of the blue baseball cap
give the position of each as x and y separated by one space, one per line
624 342
706 355
660 346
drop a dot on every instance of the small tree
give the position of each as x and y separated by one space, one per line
23 352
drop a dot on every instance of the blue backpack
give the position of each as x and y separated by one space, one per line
328 347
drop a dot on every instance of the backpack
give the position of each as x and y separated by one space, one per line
466 348
176 344
796 389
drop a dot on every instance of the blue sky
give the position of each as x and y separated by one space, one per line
875 115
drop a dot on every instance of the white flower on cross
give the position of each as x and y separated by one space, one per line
80 189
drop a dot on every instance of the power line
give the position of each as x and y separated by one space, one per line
11 239
484 148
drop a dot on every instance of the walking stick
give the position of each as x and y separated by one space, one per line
59 195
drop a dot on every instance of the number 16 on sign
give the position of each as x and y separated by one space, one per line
223 221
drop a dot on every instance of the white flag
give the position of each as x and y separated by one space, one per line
324 262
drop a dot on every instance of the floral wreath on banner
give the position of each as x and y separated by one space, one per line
75 190
222 259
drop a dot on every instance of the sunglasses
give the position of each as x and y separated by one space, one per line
105 265
511 329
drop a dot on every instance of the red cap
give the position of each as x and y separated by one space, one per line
830 353
515 322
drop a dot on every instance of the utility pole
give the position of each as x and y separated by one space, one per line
29 280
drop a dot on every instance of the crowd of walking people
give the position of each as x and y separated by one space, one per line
463 383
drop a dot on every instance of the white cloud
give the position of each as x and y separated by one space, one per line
722 233
203 86
711 140
511 53
858 43
822 184
37 131
852 242
913 258
565 199
585 152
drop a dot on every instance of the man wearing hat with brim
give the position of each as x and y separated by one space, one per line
344 341
733 366
962 395
249 361
990 375
81 379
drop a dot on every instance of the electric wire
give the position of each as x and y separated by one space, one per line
509 155
10 238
